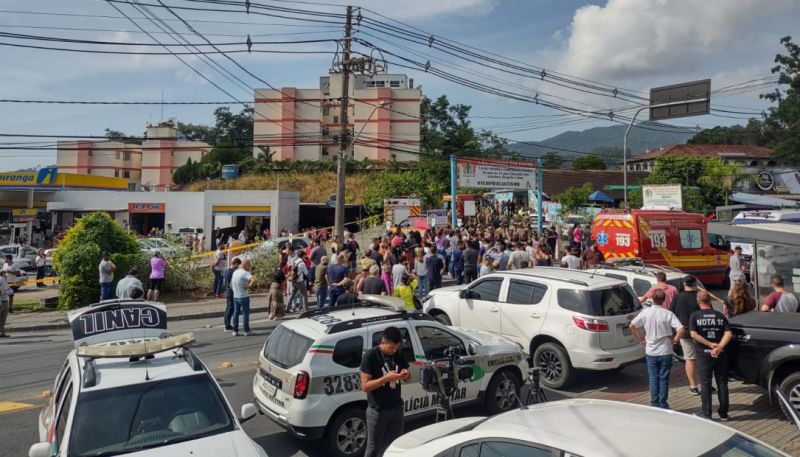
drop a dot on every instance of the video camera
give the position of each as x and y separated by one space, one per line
443 375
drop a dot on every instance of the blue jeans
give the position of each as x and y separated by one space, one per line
217 282
105 290
658 367
241 306
229 307
334 295
422 286
322 296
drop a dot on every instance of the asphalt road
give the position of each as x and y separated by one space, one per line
31 360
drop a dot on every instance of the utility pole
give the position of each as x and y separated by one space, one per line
343 125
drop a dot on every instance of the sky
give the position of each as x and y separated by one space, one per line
631 45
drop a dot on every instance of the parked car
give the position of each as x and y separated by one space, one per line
129 389
642 277
580 427
184 232
299 243
24 256
564 319
165 247
308 379
766 351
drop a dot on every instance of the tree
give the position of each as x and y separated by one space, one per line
784 119
719 179
122 137
79 254
552 160
588 162
574 197
752 133
386 185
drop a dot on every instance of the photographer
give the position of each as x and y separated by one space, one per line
382 369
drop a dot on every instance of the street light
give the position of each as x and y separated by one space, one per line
339 213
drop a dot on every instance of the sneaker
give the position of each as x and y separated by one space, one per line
724 418
228 329
248 333
702 416
235 333
694 390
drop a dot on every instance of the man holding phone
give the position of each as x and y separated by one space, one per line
382 369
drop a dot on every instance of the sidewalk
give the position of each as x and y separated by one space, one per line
183 310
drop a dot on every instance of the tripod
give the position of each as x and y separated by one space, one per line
532 391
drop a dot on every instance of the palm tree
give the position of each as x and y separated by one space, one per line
722 177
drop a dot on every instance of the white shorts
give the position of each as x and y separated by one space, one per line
688 348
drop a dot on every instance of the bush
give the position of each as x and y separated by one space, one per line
79 255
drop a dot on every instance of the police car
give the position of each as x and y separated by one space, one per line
308 377
129 388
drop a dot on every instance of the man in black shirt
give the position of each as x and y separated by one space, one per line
684 304
382 369
711 334
373 283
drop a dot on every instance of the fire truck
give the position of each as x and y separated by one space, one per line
661 237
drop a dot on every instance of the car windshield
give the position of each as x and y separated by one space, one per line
151 414
602 302
8 251
740 446
286 348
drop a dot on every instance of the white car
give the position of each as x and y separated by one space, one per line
129 389
308 378
299 243
565 319
24 256
642 277
580 428
165 247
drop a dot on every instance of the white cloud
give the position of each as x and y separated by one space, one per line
630 39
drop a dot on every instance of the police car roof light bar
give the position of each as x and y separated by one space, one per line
359 303
136 349
358 323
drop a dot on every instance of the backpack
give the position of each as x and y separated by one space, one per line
292 274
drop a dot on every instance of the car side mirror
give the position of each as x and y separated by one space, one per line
471 349
463 293
40 450
249 411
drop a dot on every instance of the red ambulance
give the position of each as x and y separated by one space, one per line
662 237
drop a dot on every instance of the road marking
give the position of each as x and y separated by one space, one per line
12 406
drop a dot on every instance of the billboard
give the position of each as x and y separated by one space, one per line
662 197
495 174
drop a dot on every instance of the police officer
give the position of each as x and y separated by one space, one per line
382 369
711 334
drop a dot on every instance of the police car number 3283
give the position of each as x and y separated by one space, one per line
128 387
314 361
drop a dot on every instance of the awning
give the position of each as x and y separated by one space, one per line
761 200
776 232
598 196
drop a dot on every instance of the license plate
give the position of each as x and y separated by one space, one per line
626 331
268 388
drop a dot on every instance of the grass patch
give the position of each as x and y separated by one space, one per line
30 305
314 187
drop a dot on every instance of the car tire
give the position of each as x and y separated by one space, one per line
498 398
790 386
557 371
346 435
442 318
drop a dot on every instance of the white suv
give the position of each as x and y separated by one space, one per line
565 319
308 379
642 277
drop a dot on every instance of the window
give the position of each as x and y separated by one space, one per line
690 238
89 171
63 414
471 450
505 449
641 286
488 290
407 348
525 293
126 174
599 302
116 154
286 348
126 155
326 110
325 131
348 352
325 151
116 173
435 341
394 83
335 119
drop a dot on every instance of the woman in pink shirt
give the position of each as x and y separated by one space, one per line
157 268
